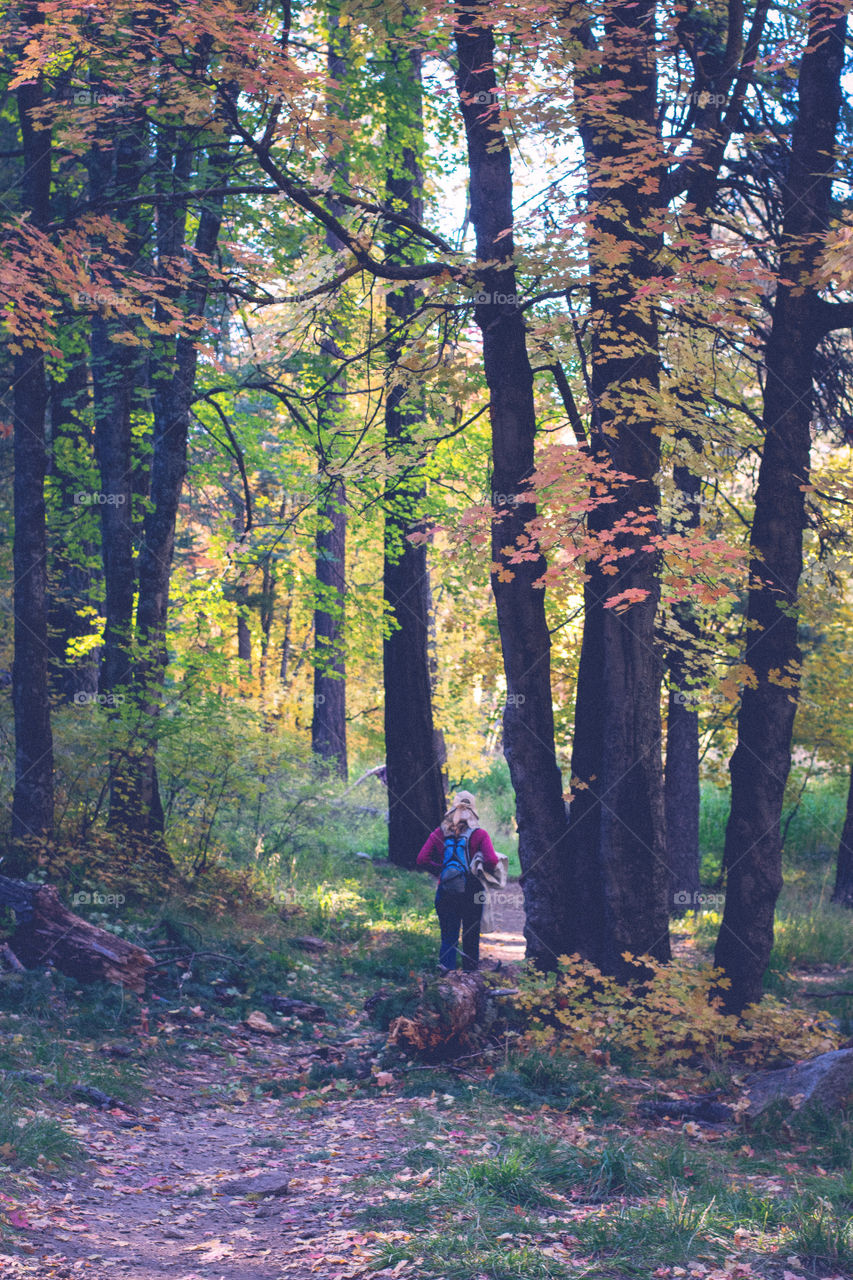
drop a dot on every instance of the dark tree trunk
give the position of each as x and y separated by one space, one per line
761 761
328 722
138 809
681 803
619 875
115 166
843 891
415 786
268 590
528 721
74 541
681 778
32 804
244 633
329 719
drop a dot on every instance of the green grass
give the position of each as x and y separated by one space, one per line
30 1138
646 1200
640 1238
807 934
820 1235
462 1255
570 1084
813 833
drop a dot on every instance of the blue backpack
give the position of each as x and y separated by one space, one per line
455 866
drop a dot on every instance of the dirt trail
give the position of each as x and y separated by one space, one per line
155 1201
505 940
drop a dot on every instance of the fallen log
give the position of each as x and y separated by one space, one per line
454 1014
47 932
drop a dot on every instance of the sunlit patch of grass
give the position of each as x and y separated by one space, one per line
638 1238
811 936
820 1235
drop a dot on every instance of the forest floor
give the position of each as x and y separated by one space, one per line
155 1202
233 1165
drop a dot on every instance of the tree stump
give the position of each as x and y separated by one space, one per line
48 932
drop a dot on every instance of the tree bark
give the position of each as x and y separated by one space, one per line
761 761
138 809
528 720
843 891
116 166
416 800
73 540
681 803
682 793
32 804
620 881
329 719
328 722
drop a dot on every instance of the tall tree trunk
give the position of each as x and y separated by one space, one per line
116 166
415 786
267 613
32 804
761 761
528 720
139 812
681 803
843 891
681 777
620 882
73 548
329 722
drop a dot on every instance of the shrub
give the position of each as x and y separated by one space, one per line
667 1017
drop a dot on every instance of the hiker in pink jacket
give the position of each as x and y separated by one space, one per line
449 853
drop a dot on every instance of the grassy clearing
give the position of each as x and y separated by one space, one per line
541 1195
